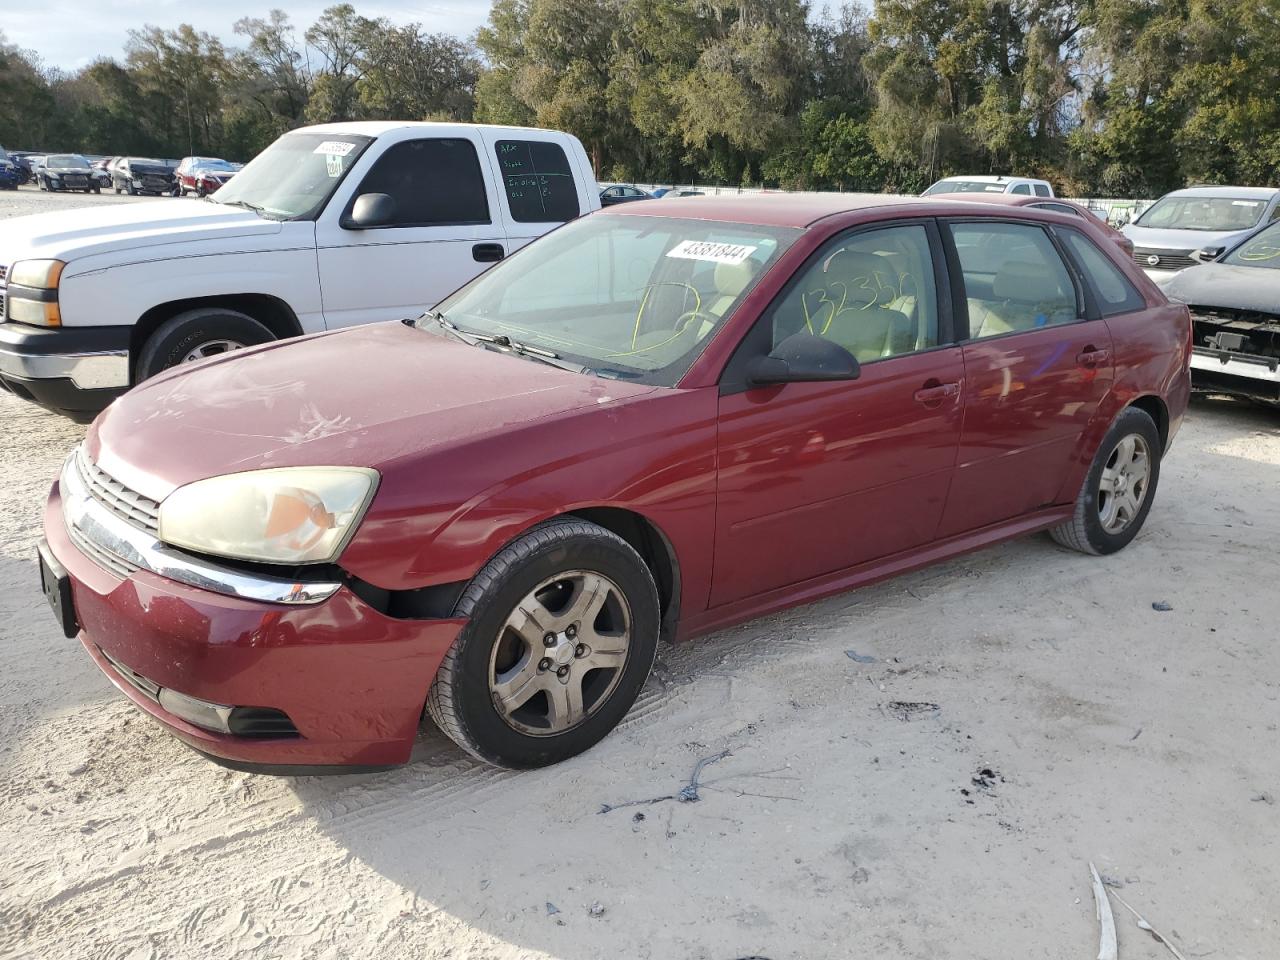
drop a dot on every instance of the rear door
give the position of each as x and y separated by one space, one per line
815 478
446 231
1037 364
541 181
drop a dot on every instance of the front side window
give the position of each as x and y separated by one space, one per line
294 177
873 293
1115 293
538 180
1260 250
633 298
435 182
1022 189
1014 279
1203 213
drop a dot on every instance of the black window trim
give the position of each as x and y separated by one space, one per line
1098 311
344 221
1085 308
732 376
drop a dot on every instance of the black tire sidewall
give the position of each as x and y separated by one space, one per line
1131 421
177 337
487 730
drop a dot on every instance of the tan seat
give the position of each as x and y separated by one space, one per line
1024 292
863 282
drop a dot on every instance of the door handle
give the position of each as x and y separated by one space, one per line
488 252
933 392
1090 356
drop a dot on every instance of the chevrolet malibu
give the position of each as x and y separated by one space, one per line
657 421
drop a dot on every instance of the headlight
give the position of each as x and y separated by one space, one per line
285 515
41 274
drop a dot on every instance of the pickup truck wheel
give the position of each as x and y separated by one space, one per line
1117 492
197 335
561 634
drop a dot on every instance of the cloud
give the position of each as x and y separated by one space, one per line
89 29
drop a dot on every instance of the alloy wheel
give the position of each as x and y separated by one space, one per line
1122 488
560 653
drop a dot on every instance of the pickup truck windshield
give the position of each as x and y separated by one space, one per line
629 297
965 186
1261 250
294 177
1203 213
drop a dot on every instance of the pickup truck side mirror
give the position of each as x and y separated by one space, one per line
804 358
371 210
1208 254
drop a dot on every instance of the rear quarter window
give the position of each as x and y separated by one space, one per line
538 180
1114 291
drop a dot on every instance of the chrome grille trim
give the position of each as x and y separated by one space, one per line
104 558
142 512
1169 259
4 273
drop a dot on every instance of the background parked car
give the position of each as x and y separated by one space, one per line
1055 205
143 176
100 171
203 175
67 171
22 160
622 193
8 172
1018 186
1169 232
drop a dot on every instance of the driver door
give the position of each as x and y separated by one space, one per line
815 478
446 231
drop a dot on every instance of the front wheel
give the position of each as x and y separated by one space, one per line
1118 490
197 335
563 628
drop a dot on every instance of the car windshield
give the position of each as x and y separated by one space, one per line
294 177
633 298
965 186
213 165
1260 250
66 160
1203 213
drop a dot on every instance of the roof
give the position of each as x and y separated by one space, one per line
990 178
1237 193
766 209
376 128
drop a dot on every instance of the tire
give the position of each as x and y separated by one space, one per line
97 191
462 701
117 189
1089 530
177 338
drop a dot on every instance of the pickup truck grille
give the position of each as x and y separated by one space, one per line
4 272
133 507
1165 259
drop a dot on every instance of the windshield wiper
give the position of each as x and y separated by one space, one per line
502 342
256 208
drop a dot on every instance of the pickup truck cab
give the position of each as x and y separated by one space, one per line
1017 186
330 226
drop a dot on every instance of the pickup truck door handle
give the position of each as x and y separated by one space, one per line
1090 356
933 392
488 252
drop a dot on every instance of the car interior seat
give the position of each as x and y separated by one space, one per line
1026 296
858 285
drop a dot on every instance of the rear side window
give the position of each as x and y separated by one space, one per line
538 180
1042 190
1115 293
434 182
1014 279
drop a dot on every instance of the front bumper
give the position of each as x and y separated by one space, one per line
75 371
1237 374
352 680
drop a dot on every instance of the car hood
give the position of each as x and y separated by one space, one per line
1227 286
72 234
61 171
378 396
1162 239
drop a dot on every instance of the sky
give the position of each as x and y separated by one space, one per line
85 30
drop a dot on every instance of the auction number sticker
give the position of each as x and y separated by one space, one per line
335 148
333 165
713 252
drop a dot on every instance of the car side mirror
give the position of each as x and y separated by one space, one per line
371 210
804 358
1208 254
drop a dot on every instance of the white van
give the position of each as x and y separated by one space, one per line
329 226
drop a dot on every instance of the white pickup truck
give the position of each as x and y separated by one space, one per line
329 226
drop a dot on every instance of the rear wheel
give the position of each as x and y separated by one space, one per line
197 335
563 628
1117 492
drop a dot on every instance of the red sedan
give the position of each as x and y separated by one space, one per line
657 421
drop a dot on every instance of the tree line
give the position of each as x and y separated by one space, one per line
1102 97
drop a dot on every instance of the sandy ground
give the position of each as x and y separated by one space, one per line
839 825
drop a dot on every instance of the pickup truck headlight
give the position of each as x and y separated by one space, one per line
288 515
41 274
